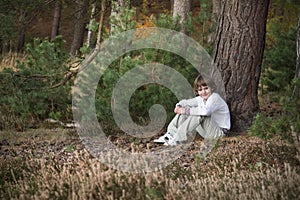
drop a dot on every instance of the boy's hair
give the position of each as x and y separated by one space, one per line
202 80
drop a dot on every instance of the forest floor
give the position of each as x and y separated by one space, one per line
54 163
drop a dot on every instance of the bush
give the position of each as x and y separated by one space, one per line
150 94
280 51
287 123
29 92
146 96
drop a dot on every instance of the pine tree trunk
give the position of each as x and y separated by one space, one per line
181 9
238 53
297 74
56 19
21 32
79 26
21 39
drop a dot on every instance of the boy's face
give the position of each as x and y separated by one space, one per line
204 92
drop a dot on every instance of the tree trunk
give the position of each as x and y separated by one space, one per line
99 35
79 26
297 74
21 39
238 53
181 9
56 19
90 32
21 32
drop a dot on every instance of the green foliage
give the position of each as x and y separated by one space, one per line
55 115
285 125
123 21
146 96
8 28
278 71
27 91
198 26
15 14
280 51
93 25
265 127
203 24
70 148
292 104
279 62
165 21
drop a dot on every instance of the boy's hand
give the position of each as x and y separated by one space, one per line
179 110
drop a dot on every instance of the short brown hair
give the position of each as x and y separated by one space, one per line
203 80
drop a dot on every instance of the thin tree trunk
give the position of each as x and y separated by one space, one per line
20 40
21 32
90 32
98 42
181 9
79 26
297 74
238 53
56 19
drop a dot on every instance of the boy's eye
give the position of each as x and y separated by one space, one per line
204 88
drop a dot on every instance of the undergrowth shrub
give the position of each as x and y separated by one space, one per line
29 92
287 123
280 50
147 95
265 127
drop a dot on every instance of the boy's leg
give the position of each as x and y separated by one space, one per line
175 123
209 129
172 129
186 126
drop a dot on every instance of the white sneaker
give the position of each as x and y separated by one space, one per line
171 142
166 137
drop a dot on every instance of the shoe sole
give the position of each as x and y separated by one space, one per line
159 141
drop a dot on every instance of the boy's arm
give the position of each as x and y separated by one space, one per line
188 102
184 106
198 111
206 109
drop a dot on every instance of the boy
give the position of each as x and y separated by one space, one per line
207 113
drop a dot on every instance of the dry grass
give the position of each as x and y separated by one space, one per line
238 168
9 60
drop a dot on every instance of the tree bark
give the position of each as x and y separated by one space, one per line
21 32
56 19
21 39
181 9
238 53
297 74
90 32
79 26
99 35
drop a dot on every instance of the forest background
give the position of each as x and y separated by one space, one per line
44 42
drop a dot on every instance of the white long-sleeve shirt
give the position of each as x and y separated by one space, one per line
215 107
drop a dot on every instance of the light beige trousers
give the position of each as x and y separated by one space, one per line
183 126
